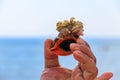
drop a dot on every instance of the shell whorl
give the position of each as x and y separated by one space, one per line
75 25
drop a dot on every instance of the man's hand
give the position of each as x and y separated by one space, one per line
85 70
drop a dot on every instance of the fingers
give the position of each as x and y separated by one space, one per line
83 48
87 65
51 60
82 41
105 76
83 54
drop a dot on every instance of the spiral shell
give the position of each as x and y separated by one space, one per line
69 27
68 33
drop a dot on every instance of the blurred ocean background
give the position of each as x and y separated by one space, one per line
25 24
23 58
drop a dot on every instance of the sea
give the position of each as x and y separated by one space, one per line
23 58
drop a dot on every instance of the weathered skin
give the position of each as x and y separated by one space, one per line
85 70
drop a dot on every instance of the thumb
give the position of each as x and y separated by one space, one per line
51 60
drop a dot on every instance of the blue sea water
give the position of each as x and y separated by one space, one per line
23 58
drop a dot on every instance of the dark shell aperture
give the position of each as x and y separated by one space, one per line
62 46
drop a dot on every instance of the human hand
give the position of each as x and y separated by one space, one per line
85 70
53 70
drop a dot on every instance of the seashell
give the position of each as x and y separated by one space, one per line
62 46
69 32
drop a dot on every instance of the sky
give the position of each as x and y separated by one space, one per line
36 18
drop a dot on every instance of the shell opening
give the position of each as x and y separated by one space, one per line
65 45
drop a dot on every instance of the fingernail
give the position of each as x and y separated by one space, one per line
74 46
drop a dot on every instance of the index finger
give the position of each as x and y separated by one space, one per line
82 48
87 65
